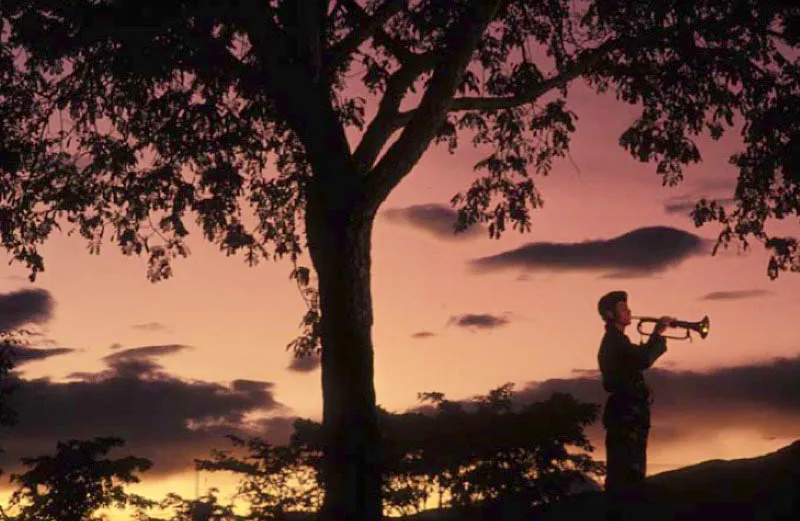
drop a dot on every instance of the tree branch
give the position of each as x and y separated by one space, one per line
366 27
388 119
433 108
394 47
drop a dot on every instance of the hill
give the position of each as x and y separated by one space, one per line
761 488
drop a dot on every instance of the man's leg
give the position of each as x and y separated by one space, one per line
626 448
638 490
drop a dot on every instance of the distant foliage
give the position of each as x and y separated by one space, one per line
488 450
8 341
451 455
275 479
204 508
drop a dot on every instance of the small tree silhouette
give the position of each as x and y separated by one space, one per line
275 479
77 482
8 341
204 508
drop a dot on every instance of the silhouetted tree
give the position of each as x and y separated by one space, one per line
458 455
489 451
275 480
9 340
204 508
124 116
75 483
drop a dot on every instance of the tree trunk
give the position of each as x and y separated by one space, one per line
339 238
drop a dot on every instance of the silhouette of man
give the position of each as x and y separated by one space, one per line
626 416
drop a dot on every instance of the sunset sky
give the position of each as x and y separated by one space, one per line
173 366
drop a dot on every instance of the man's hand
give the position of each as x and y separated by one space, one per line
662 324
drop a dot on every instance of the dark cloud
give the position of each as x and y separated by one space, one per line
641 252
718 189
735 295
684 205
24 354
715 185
304 364
161 417
149 326
27 306
145 352
435 219
280 428
423 334
691 405
480 321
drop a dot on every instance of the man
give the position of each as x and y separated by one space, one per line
626 416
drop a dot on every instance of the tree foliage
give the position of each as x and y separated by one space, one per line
123 118
204 508
274 479
75 483
448 455
9 342
490 451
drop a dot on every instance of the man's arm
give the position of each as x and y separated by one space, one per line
651 351
640 357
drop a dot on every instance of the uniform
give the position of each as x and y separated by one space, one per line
626 416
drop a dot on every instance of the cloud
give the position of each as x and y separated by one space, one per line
280 428
436 219
149 326
685 204
735 295
691 405
479 321
161 417
24 307
23 354
423 334
145 352
716 185
717 189
641 252
305 364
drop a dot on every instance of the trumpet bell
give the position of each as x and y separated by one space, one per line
703 328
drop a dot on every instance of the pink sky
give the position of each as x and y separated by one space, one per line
237 320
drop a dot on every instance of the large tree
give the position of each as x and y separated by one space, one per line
123 118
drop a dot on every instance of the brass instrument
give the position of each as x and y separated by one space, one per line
700 327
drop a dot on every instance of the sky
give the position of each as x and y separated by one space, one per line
173 366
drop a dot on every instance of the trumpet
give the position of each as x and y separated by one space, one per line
701 327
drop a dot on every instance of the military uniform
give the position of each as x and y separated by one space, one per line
626 416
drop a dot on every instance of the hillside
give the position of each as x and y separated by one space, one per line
762 488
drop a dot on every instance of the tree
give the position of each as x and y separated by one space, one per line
274 480
490 452
126 116
481 453
74 484
204 508
10 341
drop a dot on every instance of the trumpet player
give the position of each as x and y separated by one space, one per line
626 416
